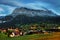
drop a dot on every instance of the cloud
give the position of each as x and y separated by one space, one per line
6 10
11 3
19 3
36 4
1 10
2 14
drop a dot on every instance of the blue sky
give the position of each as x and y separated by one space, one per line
8 6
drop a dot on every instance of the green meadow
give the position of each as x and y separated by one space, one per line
26 37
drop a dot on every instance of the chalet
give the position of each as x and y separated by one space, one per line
10 29
12 34
33 30
16 32
3 30
58 27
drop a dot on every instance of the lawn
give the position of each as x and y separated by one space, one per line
30 37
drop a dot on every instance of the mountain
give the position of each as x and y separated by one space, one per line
26 16
32 12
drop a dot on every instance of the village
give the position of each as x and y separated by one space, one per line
15 32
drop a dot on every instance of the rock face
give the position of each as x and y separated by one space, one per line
32 12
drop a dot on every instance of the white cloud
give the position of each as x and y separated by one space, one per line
2 14
34 5
1 10
6 10
11 9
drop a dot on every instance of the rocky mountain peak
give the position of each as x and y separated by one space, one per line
32 12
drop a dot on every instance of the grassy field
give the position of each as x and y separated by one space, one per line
52 36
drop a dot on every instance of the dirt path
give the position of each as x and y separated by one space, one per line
55 36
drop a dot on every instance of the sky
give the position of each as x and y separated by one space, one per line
8 6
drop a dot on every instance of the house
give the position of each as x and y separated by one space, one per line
58 27
3 30
16 32
12 34
33 30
